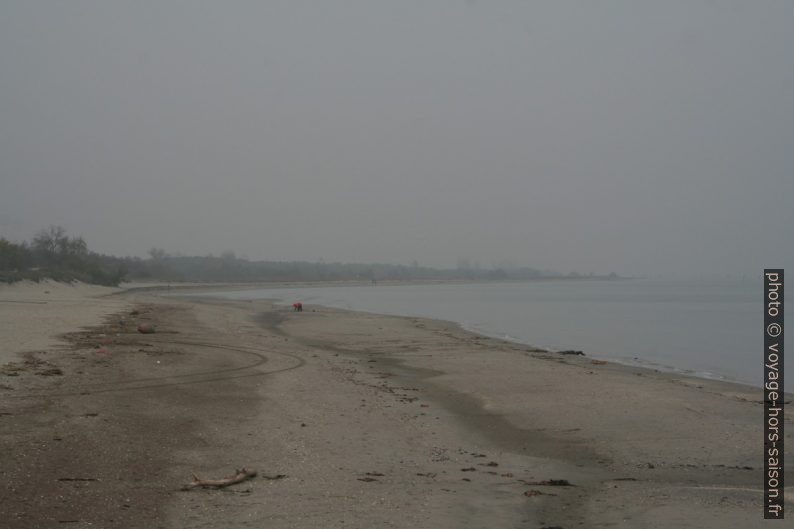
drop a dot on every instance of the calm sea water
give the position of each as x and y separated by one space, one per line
709 329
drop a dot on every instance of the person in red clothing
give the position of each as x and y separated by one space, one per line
297 306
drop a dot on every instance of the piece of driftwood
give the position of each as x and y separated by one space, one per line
239 476
549 482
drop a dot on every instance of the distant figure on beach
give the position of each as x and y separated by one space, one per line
297 306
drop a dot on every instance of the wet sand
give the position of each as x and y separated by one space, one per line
371 420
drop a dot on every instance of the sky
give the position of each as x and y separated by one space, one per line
638 137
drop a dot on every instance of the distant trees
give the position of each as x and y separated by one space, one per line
14 257
53 247
229 267
157 254
157 266
53 254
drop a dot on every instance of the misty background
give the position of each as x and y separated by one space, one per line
642 138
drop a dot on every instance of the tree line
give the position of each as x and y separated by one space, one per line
54 254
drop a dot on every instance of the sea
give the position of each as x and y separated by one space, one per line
710 329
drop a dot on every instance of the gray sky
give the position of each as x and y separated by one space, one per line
638 137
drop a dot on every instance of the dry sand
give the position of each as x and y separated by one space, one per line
32 315
373 421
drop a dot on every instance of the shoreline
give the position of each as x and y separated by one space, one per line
638 363
646 365
509 436
374 420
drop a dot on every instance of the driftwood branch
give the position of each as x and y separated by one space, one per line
239 476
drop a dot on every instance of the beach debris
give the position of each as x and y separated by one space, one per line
469 469
370 476
146 328
465 479
534 492
571 352
134 312
598 362
239 476
78 479
549 482
439 454
507 475
426 474
274 477
36 365
489 464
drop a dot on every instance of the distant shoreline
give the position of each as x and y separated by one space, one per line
156 286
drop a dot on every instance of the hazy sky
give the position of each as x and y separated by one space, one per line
638 137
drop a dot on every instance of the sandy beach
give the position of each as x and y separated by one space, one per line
350 420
